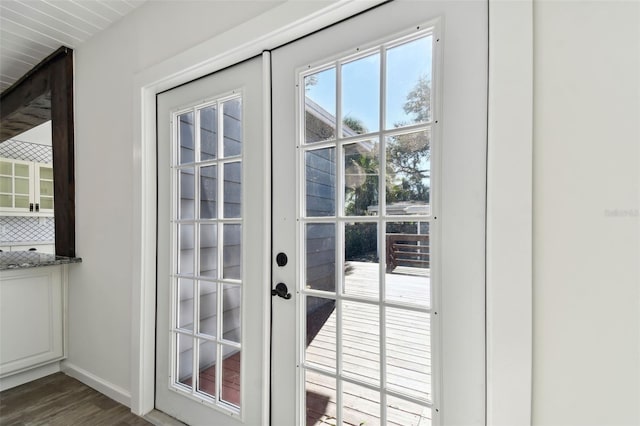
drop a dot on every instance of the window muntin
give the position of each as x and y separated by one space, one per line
206 272
365 217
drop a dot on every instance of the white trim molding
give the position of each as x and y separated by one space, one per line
109 389
289 21
509 186
509 213
27 376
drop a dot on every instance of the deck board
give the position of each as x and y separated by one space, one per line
408 351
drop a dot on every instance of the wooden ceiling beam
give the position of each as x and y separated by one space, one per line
36 112
46 93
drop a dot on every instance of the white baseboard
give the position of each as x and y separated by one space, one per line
28 376
109 389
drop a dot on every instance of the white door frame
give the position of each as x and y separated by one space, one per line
509 186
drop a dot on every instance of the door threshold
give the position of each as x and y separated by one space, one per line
158 418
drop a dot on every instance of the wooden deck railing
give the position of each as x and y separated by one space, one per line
407 250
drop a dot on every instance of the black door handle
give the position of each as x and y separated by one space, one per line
281 290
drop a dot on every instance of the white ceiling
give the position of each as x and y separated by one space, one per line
30 30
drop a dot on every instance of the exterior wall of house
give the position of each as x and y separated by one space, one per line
586 225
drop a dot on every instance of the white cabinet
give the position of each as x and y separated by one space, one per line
26 188
31 318
40 248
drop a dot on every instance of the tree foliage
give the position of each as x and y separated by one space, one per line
408 168
418 101
408 155
354 124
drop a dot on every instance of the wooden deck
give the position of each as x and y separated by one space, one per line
408 359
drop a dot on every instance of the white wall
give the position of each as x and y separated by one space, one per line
586 368
586 297
100 287
40 134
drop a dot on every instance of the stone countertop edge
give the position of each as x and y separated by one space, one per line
23 260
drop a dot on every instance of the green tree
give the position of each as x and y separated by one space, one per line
418 101
408 155
361 178
361 171
354 124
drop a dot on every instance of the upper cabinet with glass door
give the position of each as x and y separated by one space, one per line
26 188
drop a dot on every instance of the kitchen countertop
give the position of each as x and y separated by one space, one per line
29 259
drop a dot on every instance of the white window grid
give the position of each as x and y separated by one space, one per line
381 219
220 221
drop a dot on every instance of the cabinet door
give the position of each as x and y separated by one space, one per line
44 188
16 185
30 318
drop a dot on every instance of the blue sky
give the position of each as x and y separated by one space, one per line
361 97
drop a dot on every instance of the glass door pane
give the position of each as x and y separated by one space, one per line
207 329
365 235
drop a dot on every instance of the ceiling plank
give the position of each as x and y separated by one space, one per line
28 33
103 10
6 51
59 33
76 8
22 43
46 37
38 15
30 30
119 6
62 15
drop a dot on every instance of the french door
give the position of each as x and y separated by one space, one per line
379 144
369 223
213 275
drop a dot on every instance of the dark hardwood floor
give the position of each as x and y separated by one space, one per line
59 400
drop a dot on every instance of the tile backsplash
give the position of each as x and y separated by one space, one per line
26 151
20 228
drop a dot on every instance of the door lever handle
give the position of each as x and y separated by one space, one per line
281 290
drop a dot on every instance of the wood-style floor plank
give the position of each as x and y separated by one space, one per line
60 400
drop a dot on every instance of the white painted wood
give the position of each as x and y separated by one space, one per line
266 243
31 318
463 90
111 390
30 30
279 25
15 177
586 239
509 213
34 191
245 80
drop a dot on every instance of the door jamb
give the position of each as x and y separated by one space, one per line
509 188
